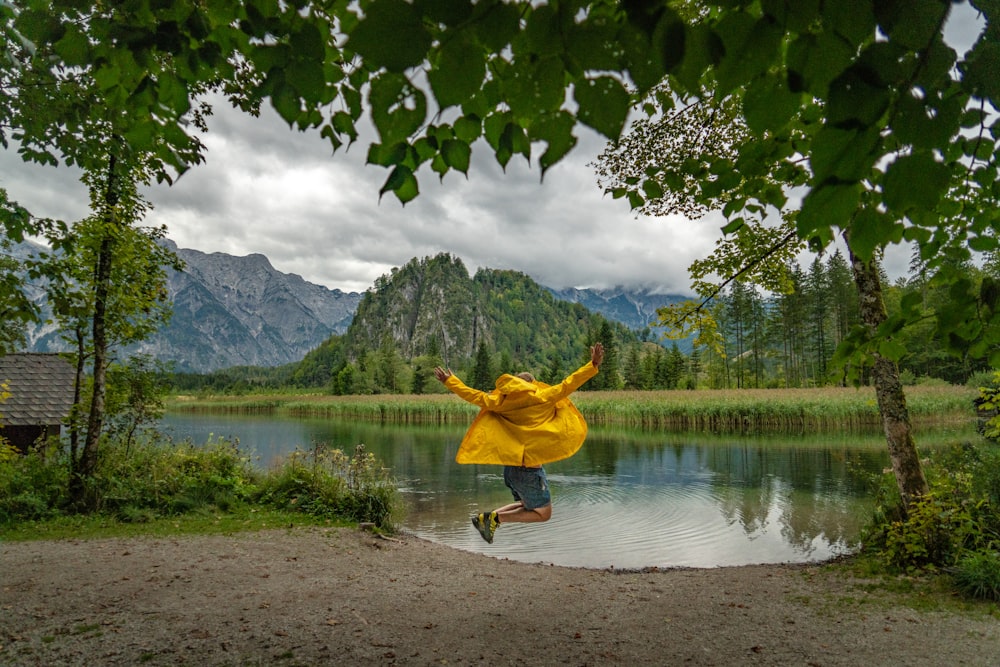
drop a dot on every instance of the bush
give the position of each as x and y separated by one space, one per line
33 486
326 482
977 575
957 520
156 477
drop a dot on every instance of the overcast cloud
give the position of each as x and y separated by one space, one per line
267 189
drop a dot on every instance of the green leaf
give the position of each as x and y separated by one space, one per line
73 47
448 12
306 77
652 189
751 49
846 155
603 104
733 226
398 109
468 128
813 61
911 23
386 156
391 35
556 130
286 102
458 71
307 42
592 46
870 230
853 20
496 24
403 183
981 69
456 155
856 97
892 350
768 104
535 88
827 206
915 181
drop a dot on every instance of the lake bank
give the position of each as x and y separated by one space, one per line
341 596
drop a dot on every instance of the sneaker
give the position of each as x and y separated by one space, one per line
486 524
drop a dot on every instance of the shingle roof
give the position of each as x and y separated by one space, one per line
41 388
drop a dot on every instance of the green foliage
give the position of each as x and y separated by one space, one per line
155 478
160 478
958 518
977 575
326 482
32 486
988 405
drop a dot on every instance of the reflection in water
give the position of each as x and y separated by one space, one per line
628 499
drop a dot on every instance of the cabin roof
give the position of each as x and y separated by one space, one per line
40 386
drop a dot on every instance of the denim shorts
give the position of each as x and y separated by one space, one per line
530 486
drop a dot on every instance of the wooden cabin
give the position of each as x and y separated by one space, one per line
41 395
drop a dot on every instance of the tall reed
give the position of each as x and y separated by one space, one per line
705 410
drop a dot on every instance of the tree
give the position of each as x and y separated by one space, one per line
863 107
483 375
107 286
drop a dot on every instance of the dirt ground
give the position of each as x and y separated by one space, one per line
346 597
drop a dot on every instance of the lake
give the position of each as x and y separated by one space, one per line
629 499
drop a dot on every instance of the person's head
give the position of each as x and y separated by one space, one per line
527 377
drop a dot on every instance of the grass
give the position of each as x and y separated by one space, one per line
245 519
840 408
866 584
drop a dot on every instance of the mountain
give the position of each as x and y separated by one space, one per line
635 308
241 311
233 311
432 306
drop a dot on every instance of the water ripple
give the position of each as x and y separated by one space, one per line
608 522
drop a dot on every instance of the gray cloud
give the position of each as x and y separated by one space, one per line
267 189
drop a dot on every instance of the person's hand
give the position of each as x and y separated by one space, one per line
442 374
596 354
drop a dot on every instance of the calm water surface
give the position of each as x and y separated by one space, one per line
628 499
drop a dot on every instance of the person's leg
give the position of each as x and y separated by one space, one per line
517 513
530 487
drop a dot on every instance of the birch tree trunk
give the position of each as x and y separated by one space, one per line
888 388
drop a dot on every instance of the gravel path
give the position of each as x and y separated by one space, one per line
314 596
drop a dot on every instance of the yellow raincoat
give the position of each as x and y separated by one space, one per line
523 423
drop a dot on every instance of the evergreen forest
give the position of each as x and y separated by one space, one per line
430 312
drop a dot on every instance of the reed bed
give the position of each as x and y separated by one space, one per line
770 410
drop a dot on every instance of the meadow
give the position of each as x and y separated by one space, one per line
826 408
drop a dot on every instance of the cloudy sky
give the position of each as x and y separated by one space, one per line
267 189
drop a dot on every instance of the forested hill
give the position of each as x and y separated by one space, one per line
431 311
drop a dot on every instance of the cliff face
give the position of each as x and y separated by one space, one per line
241 311
232 311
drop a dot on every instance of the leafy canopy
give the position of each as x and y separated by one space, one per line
889 132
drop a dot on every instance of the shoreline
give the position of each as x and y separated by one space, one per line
306 596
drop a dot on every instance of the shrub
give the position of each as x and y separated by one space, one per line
158 477
33 486
977 575
956 519
326 482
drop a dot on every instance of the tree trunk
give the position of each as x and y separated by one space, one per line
888 388
87 463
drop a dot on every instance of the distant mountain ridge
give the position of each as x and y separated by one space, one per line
230 311
241 311
635 308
